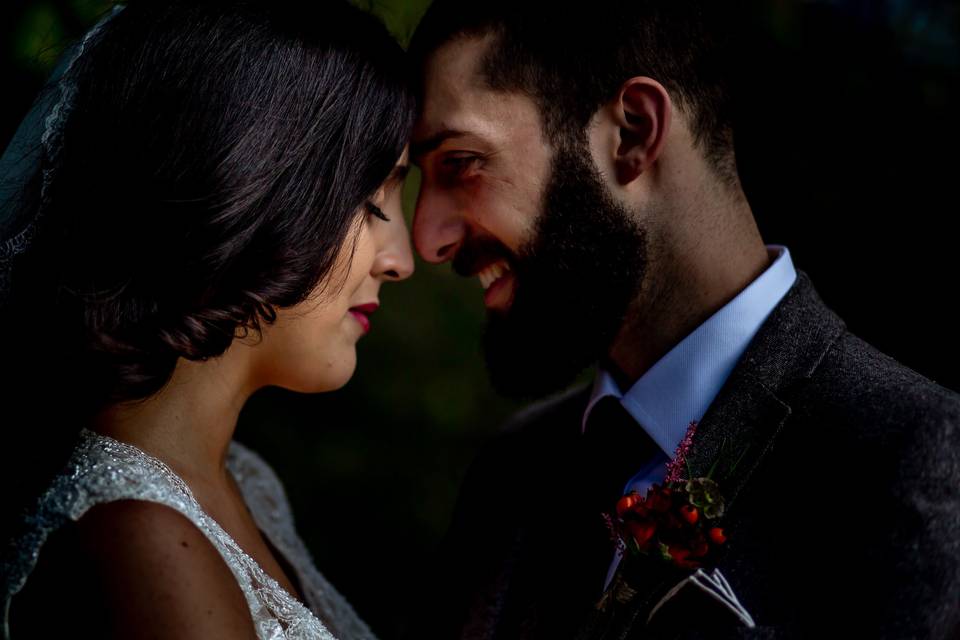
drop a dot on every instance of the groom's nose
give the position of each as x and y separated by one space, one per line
438 226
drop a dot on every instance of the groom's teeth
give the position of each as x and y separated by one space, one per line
492 273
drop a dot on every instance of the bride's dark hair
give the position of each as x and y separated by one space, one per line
215 162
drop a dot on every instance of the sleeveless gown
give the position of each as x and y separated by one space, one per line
102 470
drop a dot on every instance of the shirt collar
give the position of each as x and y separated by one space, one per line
680 386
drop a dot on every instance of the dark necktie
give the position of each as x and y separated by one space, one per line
615 448
561 579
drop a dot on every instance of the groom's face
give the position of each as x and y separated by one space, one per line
558 258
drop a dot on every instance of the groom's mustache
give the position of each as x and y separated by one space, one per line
476 253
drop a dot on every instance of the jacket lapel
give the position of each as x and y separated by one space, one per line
747 414
738 430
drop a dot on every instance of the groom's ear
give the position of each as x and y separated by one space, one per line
641 113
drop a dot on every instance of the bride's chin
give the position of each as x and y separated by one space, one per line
300 372
331 377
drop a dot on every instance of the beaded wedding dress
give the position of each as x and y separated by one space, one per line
102 470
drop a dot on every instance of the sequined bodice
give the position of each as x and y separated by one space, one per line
102 470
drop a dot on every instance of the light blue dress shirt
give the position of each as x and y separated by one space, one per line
679 387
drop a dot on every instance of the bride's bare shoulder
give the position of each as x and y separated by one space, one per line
131 569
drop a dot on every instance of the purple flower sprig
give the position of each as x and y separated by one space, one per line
677 466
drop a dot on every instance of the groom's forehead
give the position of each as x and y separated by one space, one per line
452 82
457 62
457 102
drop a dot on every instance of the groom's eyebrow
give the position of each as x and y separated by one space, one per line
423 147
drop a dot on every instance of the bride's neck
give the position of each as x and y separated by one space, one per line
190 422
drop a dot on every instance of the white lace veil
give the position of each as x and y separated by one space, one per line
33 149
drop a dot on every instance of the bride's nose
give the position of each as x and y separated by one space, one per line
394 261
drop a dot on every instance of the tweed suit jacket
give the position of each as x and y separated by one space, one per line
843 516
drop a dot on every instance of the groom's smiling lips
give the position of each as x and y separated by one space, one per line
491 262
499 283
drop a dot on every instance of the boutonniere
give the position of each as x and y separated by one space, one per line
678 524
679 521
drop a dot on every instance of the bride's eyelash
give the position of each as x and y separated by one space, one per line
377 211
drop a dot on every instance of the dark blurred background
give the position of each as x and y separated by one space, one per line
847 137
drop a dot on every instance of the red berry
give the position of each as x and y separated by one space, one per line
681 558
717 536
627 502
641 531
689 513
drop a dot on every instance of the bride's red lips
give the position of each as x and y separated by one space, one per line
361 314
366 308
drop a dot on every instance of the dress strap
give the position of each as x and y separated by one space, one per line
103 470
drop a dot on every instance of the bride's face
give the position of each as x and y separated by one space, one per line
312 346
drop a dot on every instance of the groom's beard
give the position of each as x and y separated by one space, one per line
574 282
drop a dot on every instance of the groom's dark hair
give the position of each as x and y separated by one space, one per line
573 61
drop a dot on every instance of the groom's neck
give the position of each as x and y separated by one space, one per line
683 289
